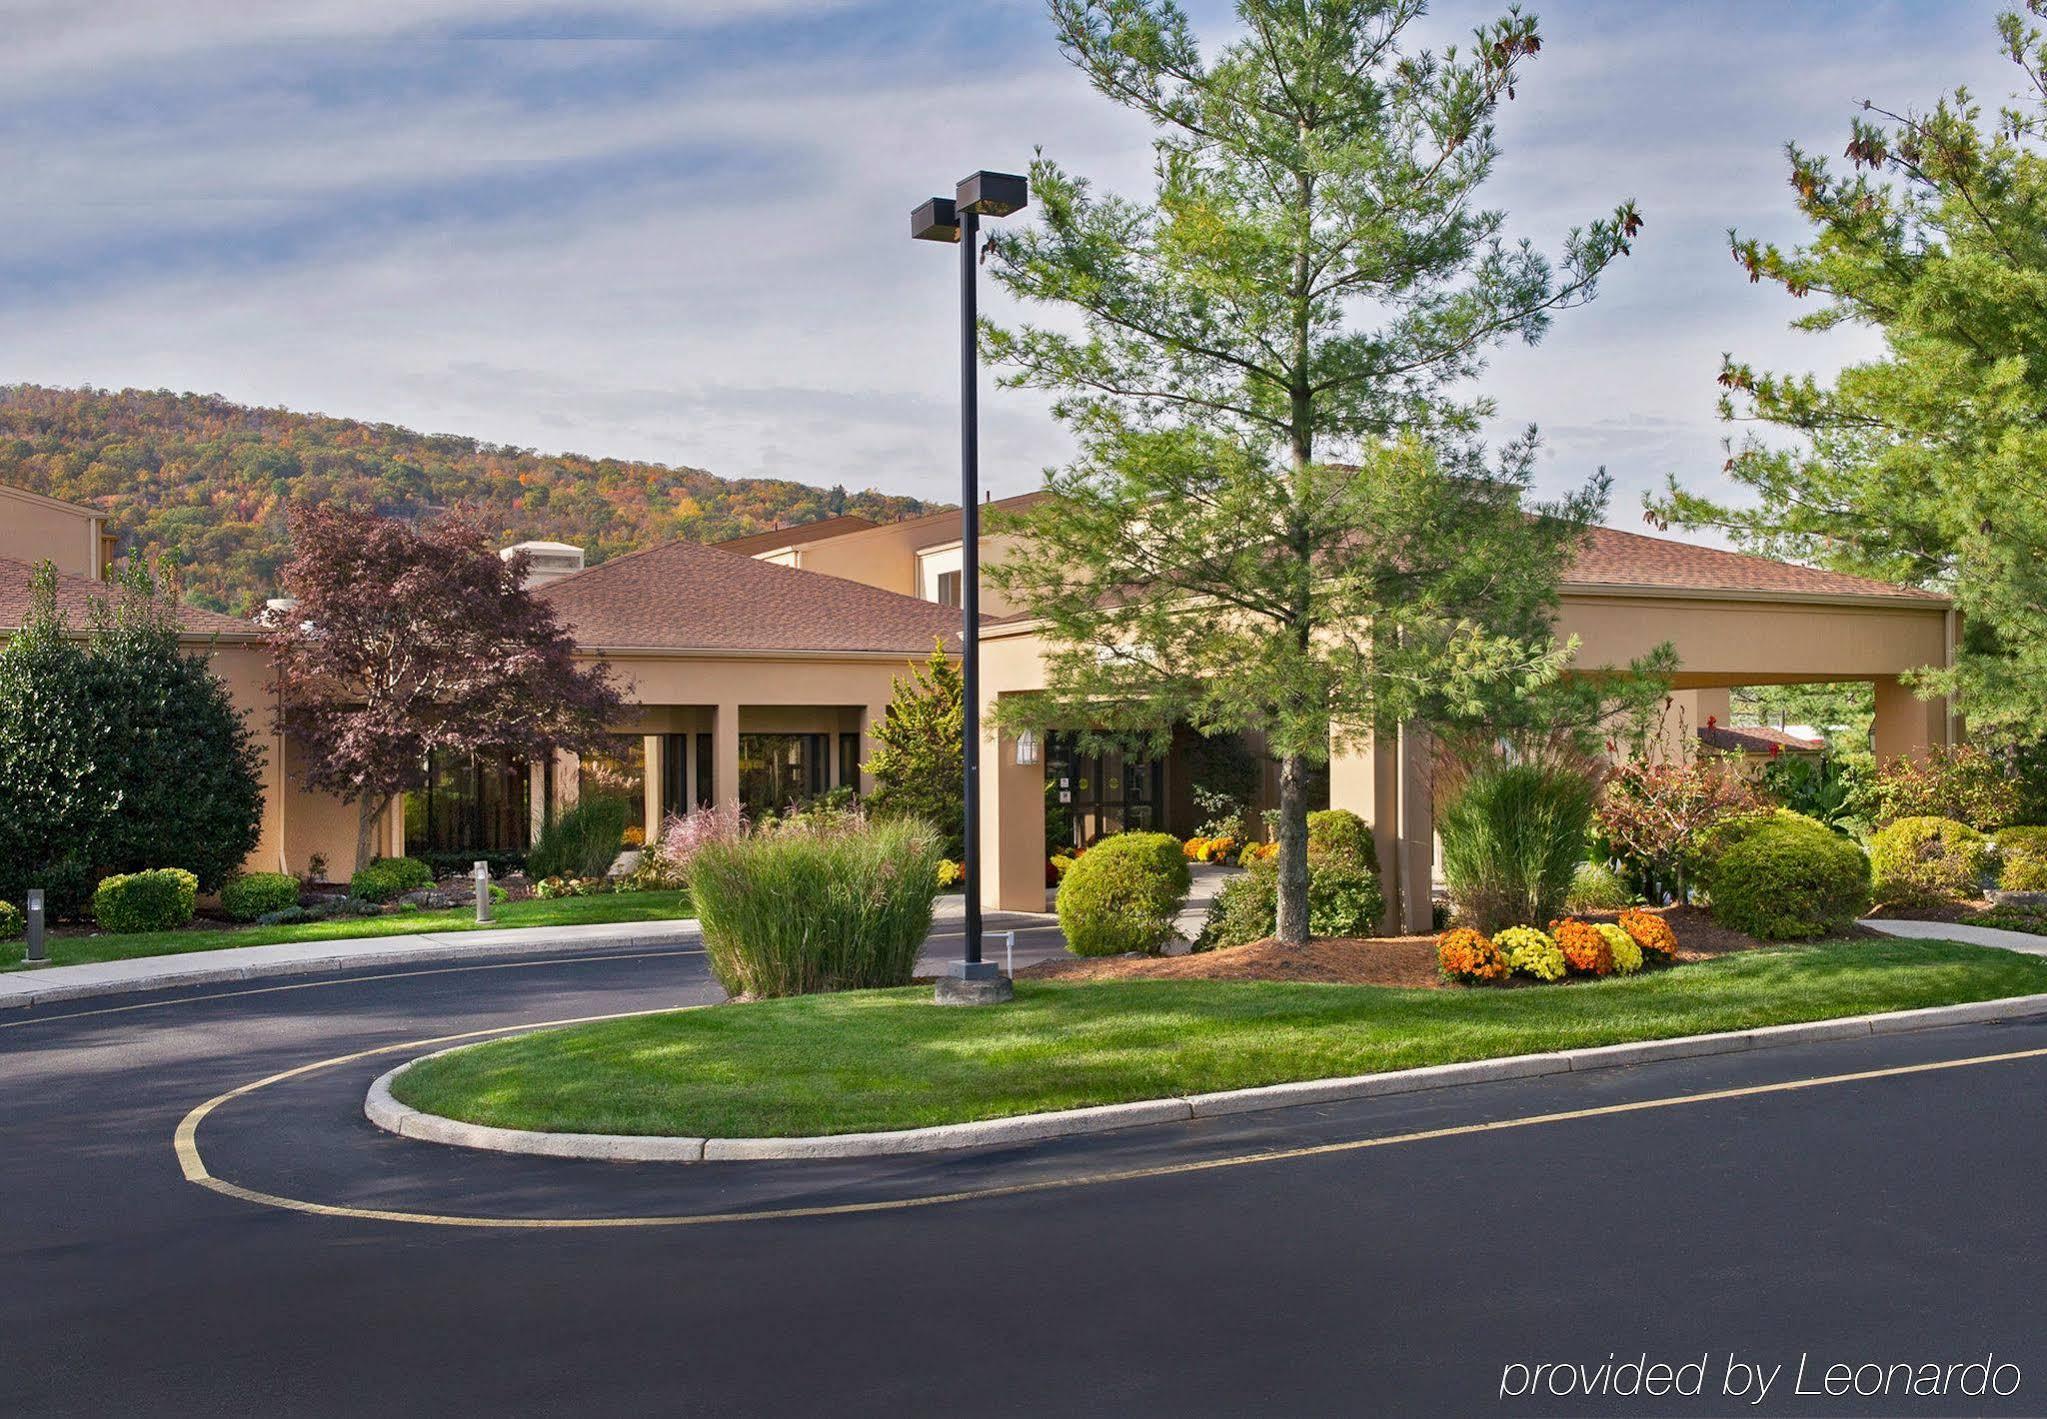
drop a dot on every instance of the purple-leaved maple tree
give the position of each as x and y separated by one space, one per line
406 640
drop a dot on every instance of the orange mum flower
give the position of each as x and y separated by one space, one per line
1651 932
1586 952
1468 956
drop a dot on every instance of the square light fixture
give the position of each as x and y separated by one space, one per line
935 220
993 194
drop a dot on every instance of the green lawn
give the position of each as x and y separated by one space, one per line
890 1059
562 911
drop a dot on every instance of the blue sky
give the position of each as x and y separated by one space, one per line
676 229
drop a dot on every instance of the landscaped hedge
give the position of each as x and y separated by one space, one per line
157 900
1122 894
1927 861
12 923
1787 878
1344 896
2022 859
250 895
389 877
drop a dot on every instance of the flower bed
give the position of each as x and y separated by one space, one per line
1571 947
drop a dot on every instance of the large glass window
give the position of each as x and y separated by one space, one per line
619 770
470 802
777 770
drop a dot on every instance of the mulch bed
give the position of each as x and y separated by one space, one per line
1389 960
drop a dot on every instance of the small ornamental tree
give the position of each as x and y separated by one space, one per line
917 765
119 750
404 641
1279 521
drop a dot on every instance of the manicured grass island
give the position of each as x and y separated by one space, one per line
69 950
889 1059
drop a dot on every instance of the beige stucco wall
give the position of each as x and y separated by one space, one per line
886 556
37 529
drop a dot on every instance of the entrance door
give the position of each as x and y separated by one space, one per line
1104 794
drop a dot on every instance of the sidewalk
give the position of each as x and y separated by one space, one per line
2024 942
52 983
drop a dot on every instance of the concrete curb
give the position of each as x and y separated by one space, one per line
382 1109
46 986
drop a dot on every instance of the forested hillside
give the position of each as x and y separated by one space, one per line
207 483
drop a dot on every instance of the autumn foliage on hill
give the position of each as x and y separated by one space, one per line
206 483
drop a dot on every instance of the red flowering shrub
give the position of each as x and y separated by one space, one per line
1467 956
1585 950
1651 932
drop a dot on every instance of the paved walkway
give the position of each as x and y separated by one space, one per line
1037 939
48 983
2022 941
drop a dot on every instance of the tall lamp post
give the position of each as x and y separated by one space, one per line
958 219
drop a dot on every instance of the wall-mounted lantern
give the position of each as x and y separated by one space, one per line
1027 748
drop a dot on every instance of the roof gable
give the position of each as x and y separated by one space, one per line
687 596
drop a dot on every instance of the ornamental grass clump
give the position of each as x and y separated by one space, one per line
1470 958
582 840
1650 932
1627 955
1585 949
797 912
1513 838
1532 953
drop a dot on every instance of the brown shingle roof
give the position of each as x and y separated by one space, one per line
74 598
795 536
1613 558
686 596
1755 739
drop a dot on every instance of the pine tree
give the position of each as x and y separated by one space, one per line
917 765
1922 466
1279 484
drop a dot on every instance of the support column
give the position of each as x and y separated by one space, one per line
1012 828
1906 727
1364 780
1417 827
655 810
725 757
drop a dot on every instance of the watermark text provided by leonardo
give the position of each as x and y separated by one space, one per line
1757 1380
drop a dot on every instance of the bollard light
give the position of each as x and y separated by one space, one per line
482 872
35 926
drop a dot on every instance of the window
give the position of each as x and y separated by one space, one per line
470 803
948 589
706 797
849 761
778 770
619 770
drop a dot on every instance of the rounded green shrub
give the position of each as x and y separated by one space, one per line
1122 894
1788 880
1595 887
251 895
1340 833
1926 861
12 923
157 900
1245 910
2022 859
1343 897
389 877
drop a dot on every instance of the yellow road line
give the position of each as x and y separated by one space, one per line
194 1167
330 984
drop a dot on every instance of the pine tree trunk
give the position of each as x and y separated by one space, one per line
1292 927
369 813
